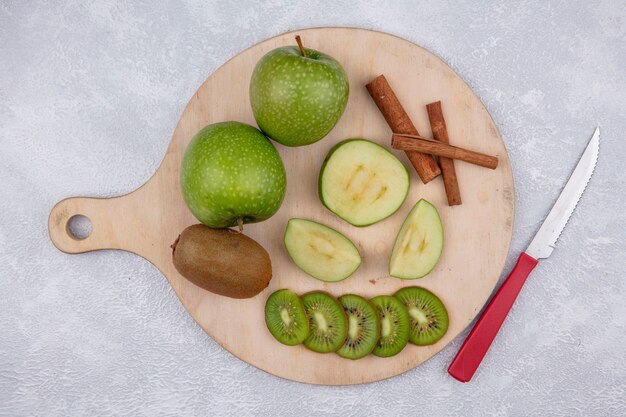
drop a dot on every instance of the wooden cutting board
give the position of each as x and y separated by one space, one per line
477 233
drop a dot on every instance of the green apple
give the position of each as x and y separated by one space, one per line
231 174
298 95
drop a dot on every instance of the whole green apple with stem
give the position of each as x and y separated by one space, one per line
298 94
231 174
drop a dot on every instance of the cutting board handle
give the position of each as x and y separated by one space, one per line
109 223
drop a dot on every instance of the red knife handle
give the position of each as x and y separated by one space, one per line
480 338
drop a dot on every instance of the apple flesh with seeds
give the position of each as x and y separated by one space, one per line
362 182
298 94
419 243
231 174
320 251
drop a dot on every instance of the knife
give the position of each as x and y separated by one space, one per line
475 347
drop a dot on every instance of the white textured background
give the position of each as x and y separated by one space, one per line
89 95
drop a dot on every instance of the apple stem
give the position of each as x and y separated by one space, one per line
300 45
240 224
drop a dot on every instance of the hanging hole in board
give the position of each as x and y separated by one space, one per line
78 227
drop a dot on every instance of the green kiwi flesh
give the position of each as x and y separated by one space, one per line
394 326
327 322
427 313
363 327
286 318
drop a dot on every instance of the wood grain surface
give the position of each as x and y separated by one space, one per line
477 233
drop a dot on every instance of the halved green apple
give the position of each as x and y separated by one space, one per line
320 251
419 243
362 182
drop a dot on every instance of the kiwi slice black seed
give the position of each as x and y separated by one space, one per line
285 317
327 322
394 326
428 315
363 327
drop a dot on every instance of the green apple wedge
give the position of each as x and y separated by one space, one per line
298 94
362 182
419 243
321 251
231 174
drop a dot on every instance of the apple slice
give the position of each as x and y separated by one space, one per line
320 251
362 182
419 243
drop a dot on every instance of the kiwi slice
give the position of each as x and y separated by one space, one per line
427 314
327 322
363 327
394 326
286 318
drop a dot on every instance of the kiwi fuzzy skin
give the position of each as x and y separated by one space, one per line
222 261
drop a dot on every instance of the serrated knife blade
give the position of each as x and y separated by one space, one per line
479 340
544 241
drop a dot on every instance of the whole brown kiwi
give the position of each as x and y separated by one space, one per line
222 261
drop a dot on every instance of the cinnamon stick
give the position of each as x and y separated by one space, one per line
399 122
433 147
440 133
